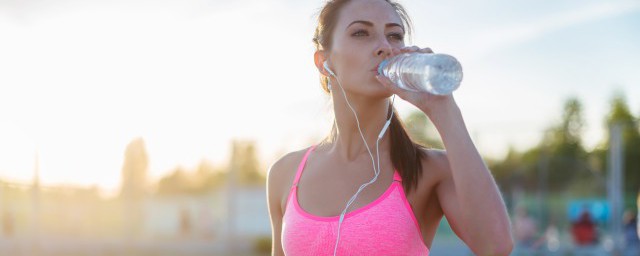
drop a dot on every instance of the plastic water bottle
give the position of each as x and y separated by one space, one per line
435 73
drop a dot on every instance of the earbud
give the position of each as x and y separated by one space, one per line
326 67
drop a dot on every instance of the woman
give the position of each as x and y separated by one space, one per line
398 212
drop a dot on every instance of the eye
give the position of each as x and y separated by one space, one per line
396 36
360 33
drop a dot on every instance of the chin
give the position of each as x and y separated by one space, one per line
377 90
386 94
370 88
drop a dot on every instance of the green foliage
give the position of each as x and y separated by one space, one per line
181 181
134 170
245 164
560 164
554 163
243 170
509 171
620 113
421 131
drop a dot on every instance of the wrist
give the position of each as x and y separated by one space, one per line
441 109
446 118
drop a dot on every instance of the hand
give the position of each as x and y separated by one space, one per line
423 100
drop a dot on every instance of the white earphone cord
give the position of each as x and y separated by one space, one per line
373 161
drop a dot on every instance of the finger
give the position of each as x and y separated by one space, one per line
426 50
410 49
396 51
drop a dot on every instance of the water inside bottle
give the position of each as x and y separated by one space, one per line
434 73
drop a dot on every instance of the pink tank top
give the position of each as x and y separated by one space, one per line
386 226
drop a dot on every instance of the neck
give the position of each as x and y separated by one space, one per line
372 115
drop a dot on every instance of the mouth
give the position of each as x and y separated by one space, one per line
375 69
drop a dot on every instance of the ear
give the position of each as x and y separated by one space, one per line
319 58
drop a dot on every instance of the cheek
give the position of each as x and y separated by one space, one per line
353 60
356 61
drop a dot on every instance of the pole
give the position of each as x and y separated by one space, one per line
615 185
231 199
543 183
35 200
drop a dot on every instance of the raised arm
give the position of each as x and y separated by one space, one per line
469 196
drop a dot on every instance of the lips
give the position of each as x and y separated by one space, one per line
376 68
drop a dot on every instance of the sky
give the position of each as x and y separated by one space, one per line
79 80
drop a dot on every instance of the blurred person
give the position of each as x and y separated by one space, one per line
205 223
549 241
7 224
524 228
632 242
584 230
399 212
185 222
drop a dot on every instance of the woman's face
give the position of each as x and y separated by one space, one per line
364 35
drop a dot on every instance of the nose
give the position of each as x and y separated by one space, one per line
384 49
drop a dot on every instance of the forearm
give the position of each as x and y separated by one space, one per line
486 222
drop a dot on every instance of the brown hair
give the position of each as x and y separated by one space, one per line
406 155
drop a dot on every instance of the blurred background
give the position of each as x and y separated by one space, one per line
147 127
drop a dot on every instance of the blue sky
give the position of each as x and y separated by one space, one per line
80 79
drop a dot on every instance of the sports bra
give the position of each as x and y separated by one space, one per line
386 226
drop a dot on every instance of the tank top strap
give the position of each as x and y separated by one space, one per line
301 166
396 176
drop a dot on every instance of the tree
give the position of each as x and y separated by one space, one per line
134 186
561 151
175 183
208 177
554 162
181 181
419 129
509 172
244 162
134 170
620 113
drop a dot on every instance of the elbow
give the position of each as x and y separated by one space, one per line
504 248
494 238
504 244
499 249
503 240
499 245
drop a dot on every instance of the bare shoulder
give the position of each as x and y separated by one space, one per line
282 172
435 170
436 165
285 167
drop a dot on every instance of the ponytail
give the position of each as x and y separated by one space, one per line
406 155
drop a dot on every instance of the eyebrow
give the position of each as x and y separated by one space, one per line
370 24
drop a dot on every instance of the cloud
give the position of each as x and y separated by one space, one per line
488 41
